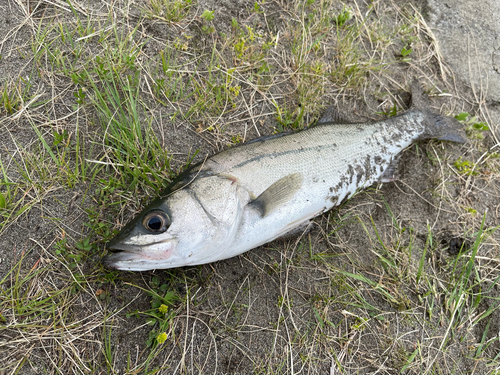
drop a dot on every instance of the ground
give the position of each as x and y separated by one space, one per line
103 104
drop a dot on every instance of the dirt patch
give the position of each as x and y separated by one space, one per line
402 278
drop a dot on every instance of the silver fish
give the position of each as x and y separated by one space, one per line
249 195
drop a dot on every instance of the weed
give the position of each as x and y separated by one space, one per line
207 16
474 129
392 112
76 255
120 88
257 7
287 118
14 95
159 317
348 68
344 16
465 167
405 52
107 335
168 10
134 147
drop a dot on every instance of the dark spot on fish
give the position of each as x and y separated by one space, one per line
368 167
359 173
378 159
396 137
336 188
334 199
350 170
359 128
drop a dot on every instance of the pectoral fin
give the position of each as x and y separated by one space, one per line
277 194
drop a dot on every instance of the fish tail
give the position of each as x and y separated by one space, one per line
440 127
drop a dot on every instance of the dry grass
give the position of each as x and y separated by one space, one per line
102 104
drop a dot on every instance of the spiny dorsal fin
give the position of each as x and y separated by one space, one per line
277 194
331 116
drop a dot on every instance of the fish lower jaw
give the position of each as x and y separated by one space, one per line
115 259
127 261
124 261
135 259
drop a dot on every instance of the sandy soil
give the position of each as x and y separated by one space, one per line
291 306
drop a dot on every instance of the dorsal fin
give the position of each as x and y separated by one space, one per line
332 116
418 99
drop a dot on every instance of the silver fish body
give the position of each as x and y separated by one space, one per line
249 195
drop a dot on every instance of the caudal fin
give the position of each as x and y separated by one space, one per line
439 127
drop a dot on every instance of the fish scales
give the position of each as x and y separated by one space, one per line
324 152
334 160
249 195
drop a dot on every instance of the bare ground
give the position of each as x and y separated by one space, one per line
385 284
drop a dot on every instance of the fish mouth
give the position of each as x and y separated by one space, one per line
119 253
116 257
131 257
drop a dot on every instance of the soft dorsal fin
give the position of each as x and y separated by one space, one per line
418 99
277 194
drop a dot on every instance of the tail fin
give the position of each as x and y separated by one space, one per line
439 127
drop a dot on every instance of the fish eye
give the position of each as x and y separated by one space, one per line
156 221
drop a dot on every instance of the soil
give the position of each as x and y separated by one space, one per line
288 306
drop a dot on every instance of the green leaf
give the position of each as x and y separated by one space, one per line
318 317
3 202
462 116
481 126
410 359
151 321
170 297
163 287
208 15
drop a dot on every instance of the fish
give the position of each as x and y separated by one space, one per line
251 194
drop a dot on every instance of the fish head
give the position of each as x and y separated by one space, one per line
191 226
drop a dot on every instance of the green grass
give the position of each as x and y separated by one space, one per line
112 105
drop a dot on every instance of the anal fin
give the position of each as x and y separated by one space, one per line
391 173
